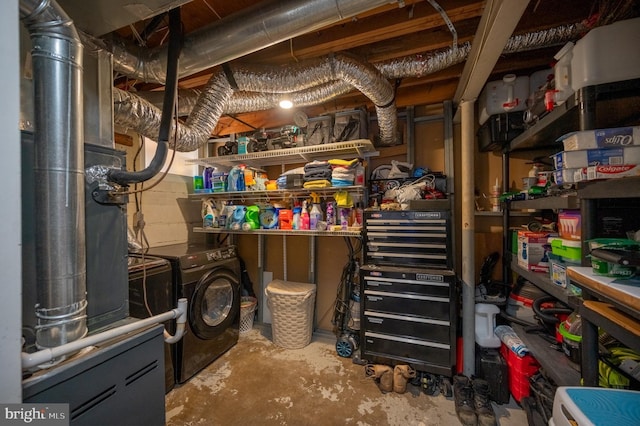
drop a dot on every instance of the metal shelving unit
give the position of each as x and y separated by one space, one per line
359 148
601 106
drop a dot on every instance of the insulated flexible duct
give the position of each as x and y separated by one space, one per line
311 82
274 81
61 270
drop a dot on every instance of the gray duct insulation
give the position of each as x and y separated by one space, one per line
249 30
59 163
309 84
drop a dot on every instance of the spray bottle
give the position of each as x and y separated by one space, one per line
304 216
331 215
316 212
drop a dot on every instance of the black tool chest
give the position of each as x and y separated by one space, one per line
409 291
407 237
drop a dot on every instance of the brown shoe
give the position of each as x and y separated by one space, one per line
402 374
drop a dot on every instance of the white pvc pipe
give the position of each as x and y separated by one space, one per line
44 356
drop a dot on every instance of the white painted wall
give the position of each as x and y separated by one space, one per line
10 218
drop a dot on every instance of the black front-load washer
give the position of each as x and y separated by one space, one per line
209 277
151 292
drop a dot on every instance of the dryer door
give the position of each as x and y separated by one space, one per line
215 303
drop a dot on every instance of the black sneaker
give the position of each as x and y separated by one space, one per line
463 399
482 403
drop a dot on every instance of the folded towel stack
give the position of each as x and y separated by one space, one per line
344 172
317 170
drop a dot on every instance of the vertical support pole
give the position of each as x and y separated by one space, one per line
468 237
506 254
261 285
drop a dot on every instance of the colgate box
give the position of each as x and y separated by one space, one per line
616 137
609 172
533 248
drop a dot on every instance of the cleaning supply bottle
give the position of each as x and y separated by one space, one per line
296 217
315 215
304 216
331 215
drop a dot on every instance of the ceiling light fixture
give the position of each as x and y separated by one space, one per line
286 104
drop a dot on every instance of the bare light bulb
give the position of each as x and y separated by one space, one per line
286 104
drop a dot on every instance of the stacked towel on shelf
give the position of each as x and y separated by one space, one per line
317 170
344 172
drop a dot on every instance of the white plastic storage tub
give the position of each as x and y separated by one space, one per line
507 95
292 307
607 54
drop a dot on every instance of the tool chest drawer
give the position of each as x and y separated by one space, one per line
410 304
422 355
407 237
406 325
409 315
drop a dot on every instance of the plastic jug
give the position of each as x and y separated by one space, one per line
485 324
562 72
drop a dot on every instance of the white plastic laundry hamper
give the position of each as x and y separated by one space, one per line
292 307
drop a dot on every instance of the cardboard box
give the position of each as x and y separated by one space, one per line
532 250
615 137
570 224
565 176
612 172
597 157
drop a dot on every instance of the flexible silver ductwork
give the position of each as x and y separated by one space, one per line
311 82
59 163
247 31
312 85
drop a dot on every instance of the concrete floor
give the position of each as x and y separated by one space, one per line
259 383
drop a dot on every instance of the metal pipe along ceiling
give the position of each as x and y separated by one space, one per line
247 31
59 164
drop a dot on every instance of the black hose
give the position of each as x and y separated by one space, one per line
547 315
124 177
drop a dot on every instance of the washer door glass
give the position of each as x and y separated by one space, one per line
217 302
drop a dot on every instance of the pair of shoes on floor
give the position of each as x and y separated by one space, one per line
391 379
471 398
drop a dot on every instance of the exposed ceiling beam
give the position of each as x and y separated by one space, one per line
497 24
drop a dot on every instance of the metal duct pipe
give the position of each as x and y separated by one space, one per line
314 76
247 31
59 163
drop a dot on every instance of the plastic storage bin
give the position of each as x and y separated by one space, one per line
605 54
570 250
292 306
595 406
520 369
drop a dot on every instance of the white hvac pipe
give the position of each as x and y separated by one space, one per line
468 237
30 360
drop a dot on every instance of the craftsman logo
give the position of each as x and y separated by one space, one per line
615 169
426 215
429 277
